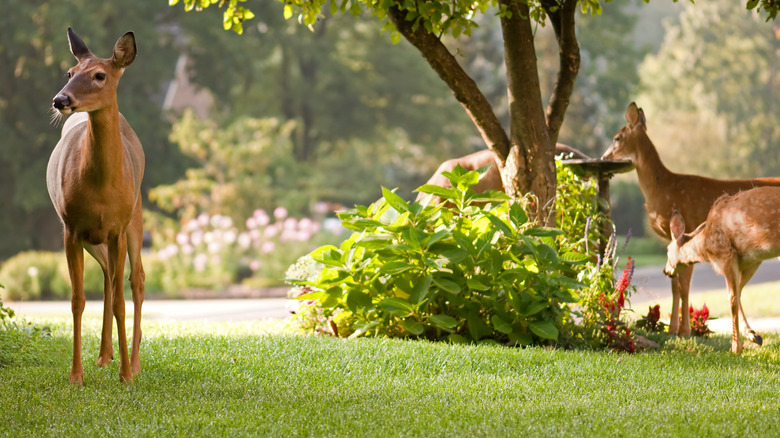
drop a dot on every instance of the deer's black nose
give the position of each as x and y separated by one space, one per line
60 101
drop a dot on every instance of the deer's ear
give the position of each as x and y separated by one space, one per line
125 50
77 46
635 117
642 120
676 225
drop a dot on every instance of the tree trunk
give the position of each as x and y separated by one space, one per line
531 166
526 156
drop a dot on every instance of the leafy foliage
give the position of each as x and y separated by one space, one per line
465 273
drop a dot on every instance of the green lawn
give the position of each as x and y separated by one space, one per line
242 379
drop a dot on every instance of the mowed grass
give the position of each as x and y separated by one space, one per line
253 379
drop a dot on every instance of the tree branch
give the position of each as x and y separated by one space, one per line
561 14
463 87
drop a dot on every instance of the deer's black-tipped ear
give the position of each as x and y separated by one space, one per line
125 50
676 225
77 46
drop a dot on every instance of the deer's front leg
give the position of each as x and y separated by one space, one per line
74 253
680 322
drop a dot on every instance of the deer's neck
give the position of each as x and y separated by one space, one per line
654 177
693 250
102 151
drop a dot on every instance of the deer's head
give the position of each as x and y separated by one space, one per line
679 238
92 82
624 144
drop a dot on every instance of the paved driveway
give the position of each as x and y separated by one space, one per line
650 282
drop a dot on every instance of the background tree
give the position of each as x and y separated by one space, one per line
711 91
525 154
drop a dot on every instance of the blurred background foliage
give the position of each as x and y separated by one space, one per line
285 117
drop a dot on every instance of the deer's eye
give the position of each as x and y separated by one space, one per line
68 74
100 76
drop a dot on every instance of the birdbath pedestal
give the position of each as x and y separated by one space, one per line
602 170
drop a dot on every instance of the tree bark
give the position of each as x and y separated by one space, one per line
561 14
531 167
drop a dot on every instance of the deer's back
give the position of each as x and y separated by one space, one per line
747 222
693 196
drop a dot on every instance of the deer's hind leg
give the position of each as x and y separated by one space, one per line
750 334
137 277
106 354
117 253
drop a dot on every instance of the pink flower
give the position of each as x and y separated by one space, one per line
267 247
280 213
261 217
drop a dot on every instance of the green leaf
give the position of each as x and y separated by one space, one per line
397 306
544 329
490 196
412 326
475 284
432 189
574 257
374 241
543 232
395 201
357 299
533 308
478 328
501 225
435 237
445 322
288 11
447 285
395 267
334 8
501 325
421 290
457 339
517 215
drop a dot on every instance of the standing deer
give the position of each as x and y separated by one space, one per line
666 192
740 232
490 180
94 181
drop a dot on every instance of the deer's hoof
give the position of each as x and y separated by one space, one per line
755 338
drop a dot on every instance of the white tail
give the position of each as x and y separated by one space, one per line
666 192
740 232
94 181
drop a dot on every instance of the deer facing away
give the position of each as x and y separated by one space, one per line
491 180
666 192
94 181
740 232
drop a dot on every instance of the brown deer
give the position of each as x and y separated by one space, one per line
666 192
490 180
94 180
740 232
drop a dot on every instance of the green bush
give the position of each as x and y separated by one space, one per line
476 271
32 275
42 275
